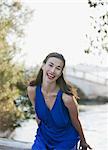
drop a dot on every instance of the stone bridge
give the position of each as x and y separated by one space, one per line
91 83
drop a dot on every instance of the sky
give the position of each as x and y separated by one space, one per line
59 26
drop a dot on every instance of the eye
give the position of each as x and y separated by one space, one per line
50 65
58 68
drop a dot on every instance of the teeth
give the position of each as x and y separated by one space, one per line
50 76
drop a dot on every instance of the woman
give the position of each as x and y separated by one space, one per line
56 109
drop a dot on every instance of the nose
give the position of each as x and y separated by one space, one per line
53 69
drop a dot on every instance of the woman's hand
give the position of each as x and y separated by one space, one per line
84 146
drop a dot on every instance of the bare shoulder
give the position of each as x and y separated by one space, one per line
31 93
31 89
69 101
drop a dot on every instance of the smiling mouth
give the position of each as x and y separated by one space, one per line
50 76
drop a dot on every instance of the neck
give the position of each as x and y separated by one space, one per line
47 87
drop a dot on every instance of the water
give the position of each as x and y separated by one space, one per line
94 119
95 124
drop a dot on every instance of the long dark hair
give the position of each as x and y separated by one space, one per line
66 88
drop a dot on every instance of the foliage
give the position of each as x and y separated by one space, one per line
22 102
9 115
13 17
99 23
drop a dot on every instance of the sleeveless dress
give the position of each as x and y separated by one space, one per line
55 131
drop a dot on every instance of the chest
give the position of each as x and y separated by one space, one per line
50 109
50 100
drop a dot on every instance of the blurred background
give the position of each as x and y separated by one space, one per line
29 30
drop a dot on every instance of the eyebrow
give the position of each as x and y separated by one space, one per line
53 64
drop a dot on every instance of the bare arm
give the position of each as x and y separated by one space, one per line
71 104
31 95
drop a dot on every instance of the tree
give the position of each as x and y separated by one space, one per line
13 17
99 22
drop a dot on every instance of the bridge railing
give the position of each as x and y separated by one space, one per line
86 75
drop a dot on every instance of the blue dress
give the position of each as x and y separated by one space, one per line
55 131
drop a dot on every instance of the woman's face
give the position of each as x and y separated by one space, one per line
52 69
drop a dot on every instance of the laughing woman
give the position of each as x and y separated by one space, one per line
59 127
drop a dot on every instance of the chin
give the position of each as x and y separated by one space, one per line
51 80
